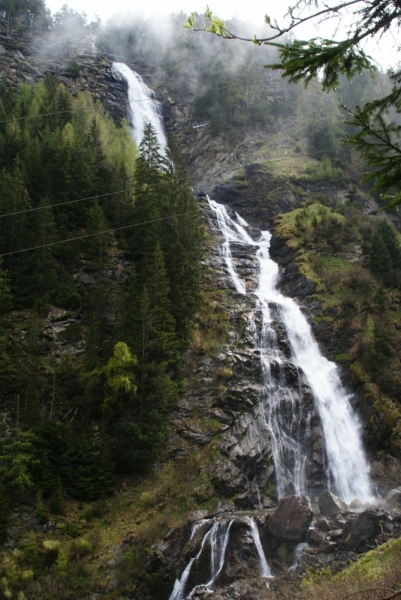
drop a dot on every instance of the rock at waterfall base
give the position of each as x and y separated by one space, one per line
393 499
290 522
331 505
359 534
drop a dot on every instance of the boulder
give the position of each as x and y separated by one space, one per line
291 520
356 505
330 505
393 499
316 537
327 547
321 523
359 534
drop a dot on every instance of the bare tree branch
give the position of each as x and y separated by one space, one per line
296 22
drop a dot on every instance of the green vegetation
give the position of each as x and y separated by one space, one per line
77 420
73 555
374 575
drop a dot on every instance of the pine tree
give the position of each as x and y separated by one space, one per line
389 236
182 243
380 258
149 198
40 264
142 429
5 294
4 510
158 332
379 300
16 460
97 245
88 469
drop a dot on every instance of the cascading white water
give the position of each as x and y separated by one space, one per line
179 586
347 468
265 569
218 537
299 550
142 108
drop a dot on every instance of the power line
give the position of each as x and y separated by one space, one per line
19 212
113 229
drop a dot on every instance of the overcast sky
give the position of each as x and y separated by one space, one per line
384 50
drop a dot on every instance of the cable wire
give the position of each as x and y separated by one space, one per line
113 229
67 202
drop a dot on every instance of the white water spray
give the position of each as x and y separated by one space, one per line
219 535
264 567
142 108
347 468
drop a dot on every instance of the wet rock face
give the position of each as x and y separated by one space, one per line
290 522
244 468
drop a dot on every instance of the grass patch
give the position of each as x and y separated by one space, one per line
372 576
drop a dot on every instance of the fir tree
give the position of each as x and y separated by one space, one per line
89 469
182 242
4 510
16 460
389 236
149 198
380 258
158 333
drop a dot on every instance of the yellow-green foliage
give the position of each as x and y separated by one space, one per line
81 547
212 323
376 570
51 545
115 141
223 373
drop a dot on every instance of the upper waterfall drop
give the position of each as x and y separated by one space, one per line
346 471
142 108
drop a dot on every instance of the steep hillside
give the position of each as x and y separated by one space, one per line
152 396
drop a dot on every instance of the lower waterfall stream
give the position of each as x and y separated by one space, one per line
286 421
347 470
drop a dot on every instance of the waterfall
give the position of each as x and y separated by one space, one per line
265 569
299 550
142 108
347 470
179 586
219 536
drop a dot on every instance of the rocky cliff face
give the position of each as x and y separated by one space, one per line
225 403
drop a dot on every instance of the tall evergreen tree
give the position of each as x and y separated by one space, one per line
389 236
380 257
149 200
182 243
